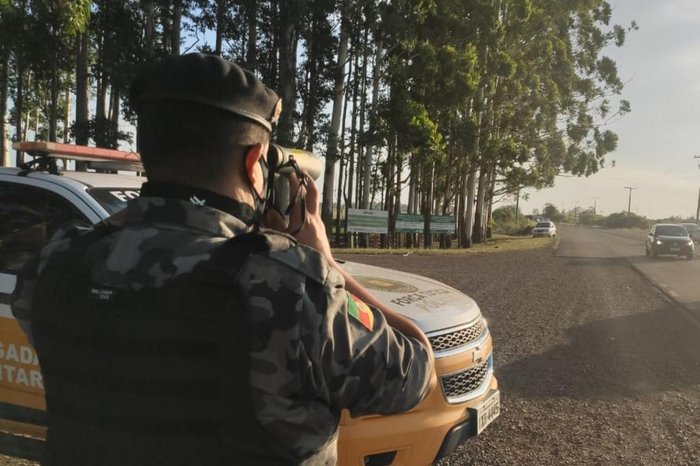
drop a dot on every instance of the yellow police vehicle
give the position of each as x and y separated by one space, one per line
37 198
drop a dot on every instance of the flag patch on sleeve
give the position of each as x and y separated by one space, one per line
360 312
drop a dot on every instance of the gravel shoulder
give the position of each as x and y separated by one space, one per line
596 366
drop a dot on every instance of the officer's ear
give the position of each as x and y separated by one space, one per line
252 166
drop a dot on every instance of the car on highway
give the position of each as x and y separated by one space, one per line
463 401
693 231
669 239
546 228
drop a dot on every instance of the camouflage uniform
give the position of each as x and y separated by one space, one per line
309 357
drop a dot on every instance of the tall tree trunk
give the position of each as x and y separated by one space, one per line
66 117
426 207
176 29
288 41
350 196
53 104
101 124
336 119
220 25
369 150
149 27
361 128
82 113
19 102
477 231
251 7
489 214
4 143
469 211
114 119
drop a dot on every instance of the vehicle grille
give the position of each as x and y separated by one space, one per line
461 337
458 386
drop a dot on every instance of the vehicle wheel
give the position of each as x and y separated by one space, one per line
654 253
690 257
646 252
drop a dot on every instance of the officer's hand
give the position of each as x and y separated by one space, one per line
306 225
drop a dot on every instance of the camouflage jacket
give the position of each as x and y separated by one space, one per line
314 349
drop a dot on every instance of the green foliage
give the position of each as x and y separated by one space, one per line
551 212
505 222
626 220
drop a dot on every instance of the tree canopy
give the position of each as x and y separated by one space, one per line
420 106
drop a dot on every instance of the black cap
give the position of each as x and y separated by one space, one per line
208 80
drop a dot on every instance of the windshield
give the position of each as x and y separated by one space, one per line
671 230
113 199
691 227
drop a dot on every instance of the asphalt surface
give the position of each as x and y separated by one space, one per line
597 364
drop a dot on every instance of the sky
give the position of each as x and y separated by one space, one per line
660 64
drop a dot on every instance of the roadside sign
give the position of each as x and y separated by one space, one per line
413 223
442 224
409 223
368 221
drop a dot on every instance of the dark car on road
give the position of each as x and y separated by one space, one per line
693 231
669 239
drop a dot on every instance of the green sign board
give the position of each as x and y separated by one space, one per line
413 223
368 221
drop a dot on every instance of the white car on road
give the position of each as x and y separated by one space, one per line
547 229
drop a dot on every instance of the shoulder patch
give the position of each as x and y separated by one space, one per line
360 311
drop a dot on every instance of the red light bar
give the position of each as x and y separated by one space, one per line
75 152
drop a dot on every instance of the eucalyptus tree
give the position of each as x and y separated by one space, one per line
117 33
548 96
53 29
9 32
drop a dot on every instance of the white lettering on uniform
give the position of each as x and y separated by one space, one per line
36 380
10 373
26 354
19 376
22 377
12 354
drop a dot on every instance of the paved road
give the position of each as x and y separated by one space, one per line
676 276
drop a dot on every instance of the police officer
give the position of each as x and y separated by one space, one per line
180 331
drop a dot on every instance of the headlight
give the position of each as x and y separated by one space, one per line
658 241
690 242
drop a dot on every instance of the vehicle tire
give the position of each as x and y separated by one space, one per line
690 257
654 253
646 252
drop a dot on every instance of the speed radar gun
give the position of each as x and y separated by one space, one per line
283 162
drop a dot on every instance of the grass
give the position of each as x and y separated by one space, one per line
498 243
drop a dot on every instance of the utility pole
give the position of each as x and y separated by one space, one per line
629 201
697 212
595 198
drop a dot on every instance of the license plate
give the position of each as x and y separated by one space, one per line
487 410
675 249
